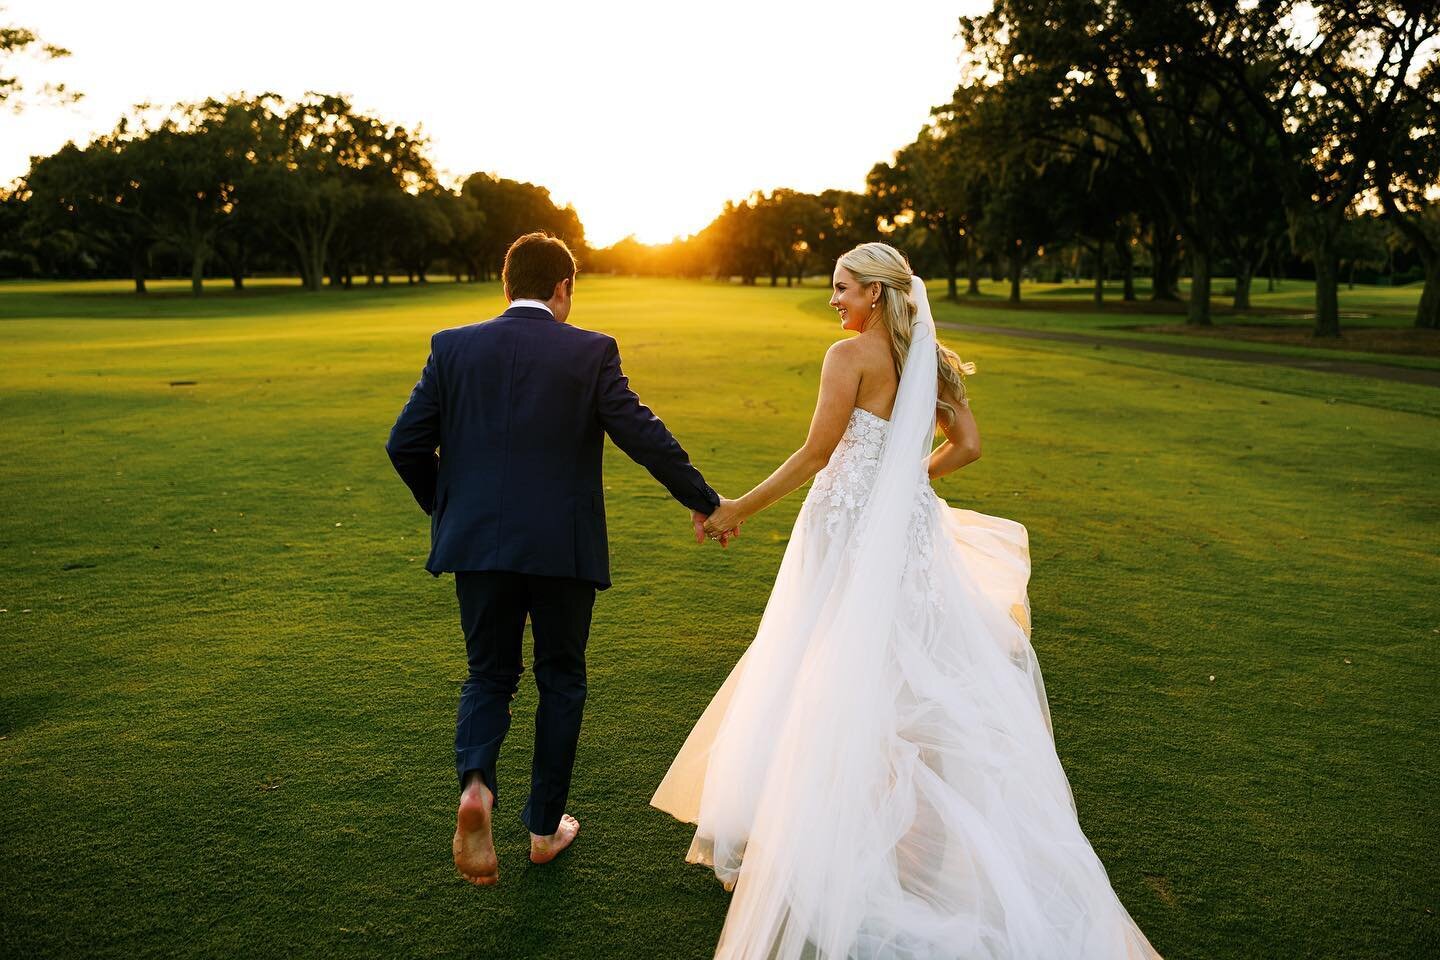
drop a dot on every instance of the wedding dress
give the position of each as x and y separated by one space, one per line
877 778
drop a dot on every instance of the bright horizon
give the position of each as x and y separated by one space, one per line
645 116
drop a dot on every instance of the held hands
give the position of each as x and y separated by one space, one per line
724 524
705 527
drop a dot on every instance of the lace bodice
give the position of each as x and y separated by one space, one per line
843 485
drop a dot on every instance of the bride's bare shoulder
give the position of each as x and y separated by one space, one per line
871 355
845 352
865 351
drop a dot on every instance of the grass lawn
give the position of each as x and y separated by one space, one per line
1377 322
228 689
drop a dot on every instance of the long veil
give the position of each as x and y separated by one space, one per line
828 623
881 758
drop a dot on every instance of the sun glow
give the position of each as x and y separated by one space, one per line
644 116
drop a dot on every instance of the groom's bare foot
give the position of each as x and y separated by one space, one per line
545 849
474 847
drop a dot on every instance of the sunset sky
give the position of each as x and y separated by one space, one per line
646 116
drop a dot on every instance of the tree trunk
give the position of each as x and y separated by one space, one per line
1327 290
1100 273
1427 315
952 273
315 275
137 270
972 270
1127 267
1015 266
238 263
197 273
1163 257
1198 313
1243 275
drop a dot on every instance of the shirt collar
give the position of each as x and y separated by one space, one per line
540 304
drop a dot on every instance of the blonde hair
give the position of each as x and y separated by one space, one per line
883 264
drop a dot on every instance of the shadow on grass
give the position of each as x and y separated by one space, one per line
20 710
173 303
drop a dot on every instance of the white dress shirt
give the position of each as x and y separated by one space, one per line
533 303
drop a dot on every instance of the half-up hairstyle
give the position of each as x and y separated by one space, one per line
883 264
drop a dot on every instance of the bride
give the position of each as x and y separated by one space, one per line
877 777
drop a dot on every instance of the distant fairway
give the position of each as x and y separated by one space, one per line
228 689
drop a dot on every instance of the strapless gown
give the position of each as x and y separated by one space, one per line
896 795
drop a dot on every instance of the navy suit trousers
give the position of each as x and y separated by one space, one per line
494 606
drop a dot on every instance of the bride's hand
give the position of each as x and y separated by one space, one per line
724 523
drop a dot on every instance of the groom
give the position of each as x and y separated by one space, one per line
518 408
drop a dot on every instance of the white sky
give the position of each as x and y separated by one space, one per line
645 115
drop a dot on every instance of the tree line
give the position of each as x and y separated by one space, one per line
1103 138
1106 135
264 184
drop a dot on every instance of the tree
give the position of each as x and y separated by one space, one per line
846 220
190 178
97 195
1336 89
788 225
1117 80
1407 180
319 157
424 232
15 42
736 242
930 183
511 209
1020 214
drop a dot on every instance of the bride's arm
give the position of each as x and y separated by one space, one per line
962 442
839 386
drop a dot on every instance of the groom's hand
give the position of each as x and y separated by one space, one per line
697 522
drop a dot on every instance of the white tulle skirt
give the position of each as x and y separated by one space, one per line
892 790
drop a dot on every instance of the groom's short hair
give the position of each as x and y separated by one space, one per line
534 264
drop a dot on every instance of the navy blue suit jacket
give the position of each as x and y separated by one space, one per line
518 408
